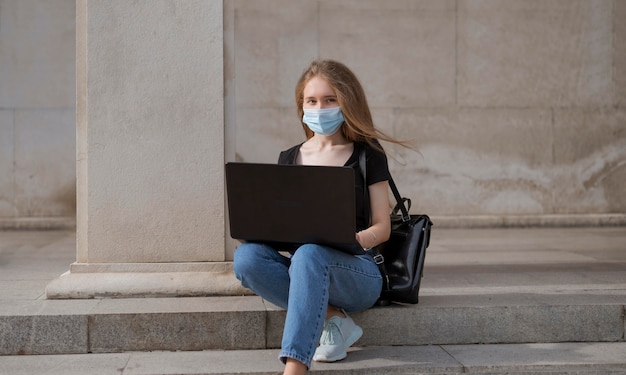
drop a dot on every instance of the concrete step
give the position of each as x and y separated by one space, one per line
236 323
480 286
552 358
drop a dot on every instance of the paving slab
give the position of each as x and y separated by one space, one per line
564 357
468 259
559 358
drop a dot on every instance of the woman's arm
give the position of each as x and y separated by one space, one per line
380 229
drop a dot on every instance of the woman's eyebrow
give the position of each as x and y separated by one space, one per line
323 97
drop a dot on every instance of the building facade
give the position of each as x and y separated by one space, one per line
117 117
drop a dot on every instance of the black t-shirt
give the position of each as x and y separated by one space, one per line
377 171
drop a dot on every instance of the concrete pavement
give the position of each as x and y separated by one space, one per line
564 358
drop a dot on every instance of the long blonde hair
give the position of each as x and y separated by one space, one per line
358 125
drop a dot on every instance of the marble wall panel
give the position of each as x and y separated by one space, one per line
45 159
476 161
619 15
590 157
37 53
405 5
383 119
152 131
263 132
7 193
535 53
475 83
421 62
274 43
403 53
37 92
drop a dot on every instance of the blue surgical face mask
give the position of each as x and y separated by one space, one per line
323 121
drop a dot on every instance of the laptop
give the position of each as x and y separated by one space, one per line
290 205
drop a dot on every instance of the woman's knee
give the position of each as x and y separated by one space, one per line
254 258
317 254
314 258
306 254
245 259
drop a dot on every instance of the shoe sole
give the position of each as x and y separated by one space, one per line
351 340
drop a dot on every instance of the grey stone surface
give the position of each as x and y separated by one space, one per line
91 364
43 334
45 186
42 307
530 221
511 176
165 95
486 91
420 74
565 358
174 324
539 160
522 75
275 324
491 324
174 305
619 13
587 147
479 286
37 59
37 97
179 331
28 256
145 283
7 160
496 68
266 34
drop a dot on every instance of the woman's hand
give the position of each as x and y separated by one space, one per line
366 238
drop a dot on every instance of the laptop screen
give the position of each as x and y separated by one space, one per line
292 204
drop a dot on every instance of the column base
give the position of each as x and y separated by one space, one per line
85 281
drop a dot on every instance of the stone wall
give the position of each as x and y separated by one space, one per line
516 107
37 111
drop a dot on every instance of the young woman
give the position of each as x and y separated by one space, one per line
317 285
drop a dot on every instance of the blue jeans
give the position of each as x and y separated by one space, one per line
305 284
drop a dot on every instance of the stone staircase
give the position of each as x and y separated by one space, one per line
532 292
245 323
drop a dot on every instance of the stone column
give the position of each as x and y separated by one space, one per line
150 151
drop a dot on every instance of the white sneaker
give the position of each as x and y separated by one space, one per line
338 335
